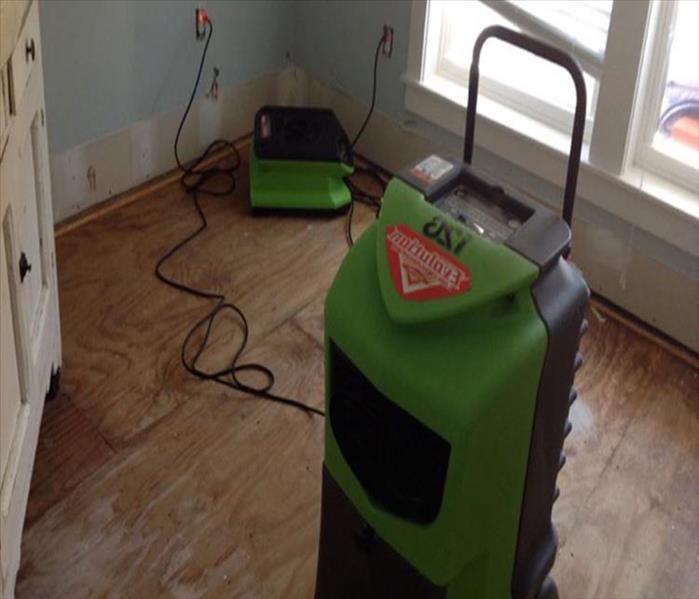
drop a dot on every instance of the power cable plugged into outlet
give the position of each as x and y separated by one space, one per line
385 45
385 35
196 179
387 41
201 18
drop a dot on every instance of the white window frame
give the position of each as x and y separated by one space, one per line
610 175
652 87
530 106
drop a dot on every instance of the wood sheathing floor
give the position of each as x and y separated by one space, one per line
150 483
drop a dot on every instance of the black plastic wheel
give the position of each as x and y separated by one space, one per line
548 590
54 385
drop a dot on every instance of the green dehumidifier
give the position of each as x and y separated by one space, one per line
299 159
452 331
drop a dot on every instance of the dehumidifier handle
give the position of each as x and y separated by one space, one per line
551 54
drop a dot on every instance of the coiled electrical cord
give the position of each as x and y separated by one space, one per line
194 180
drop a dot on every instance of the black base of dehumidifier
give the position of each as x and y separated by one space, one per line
356 562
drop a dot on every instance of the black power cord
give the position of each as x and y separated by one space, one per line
357 193
194 180
382 41
361 196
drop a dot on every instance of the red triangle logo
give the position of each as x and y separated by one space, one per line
420 269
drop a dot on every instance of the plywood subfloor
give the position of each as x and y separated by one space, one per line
149 483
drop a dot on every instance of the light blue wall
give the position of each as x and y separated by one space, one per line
335 41
108 64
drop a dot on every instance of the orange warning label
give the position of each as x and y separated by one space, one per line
420 269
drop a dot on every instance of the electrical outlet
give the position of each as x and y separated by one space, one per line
200 19
387 49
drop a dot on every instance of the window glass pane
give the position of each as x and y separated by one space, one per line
586 21
514 68
678 125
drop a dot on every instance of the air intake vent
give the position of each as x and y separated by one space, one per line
401 463
306 134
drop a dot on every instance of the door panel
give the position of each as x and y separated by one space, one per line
33 282
12 395
15 389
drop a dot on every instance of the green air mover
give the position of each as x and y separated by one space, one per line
452 331
299 159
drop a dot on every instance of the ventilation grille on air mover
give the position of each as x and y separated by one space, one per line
400 463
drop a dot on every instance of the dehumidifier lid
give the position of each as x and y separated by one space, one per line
420 279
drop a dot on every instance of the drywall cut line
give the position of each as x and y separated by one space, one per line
140 192
86 175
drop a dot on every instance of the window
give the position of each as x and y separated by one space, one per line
640 62
536 88
669 139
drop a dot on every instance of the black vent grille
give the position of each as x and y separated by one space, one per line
400 462
291 133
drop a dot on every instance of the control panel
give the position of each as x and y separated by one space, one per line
488 218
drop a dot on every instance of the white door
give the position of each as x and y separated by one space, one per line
29 325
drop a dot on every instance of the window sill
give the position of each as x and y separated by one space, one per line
497 113
660 207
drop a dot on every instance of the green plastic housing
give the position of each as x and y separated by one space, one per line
298 185
466 366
